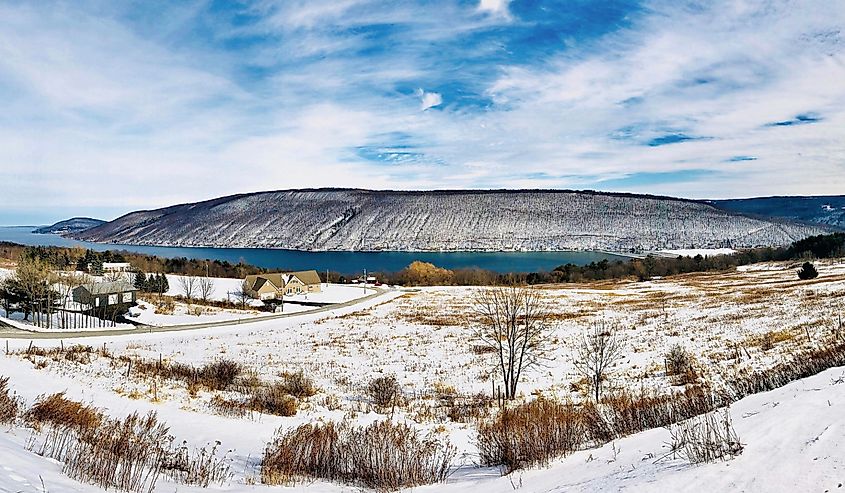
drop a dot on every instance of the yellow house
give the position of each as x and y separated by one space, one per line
274 286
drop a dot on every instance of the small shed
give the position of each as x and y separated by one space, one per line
103 294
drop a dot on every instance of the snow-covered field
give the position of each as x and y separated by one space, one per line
424 337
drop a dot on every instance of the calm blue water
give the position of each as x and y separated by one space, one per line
344 262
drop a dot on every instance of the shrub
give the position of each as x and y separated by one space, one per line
298 385
58 411
267 399
201 468
679 365
705 438
384 391
384 456
677 360
129 454
10 405
530 434
808 271
217 375
272 399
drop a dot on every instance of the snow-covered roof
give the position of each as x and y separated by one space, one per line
109 287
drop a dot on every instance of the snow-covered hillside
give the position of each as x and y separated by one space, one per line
448 220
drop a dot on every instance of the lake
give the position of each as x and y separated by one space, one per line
343 262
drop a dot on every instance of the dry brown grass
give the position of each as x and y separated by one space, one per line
383 456
530 434
10 404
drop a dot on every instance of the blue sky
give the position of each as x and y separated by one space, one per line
112 106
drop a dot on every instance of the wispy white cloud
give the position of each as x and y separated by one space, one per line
429 99
101 111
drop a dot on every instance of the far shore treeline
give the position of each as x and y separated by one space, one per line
426 274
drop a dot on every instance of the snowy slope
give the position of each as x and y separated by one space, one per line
448 220
793 439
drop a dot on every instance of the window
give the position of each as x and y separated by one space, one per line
113 299
127 297
97 301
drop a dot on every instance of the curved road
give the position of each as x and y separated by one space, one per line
7 332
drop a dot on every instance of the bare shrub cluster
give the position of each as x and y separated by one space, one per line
129 454
298 385
217 375
680 365
705 438
535 432
257 397
77 353
384 456
530 434
202 467
10 405
384 392
803 364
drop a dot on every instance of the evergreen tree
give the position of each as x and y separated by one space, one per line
140 282
808 271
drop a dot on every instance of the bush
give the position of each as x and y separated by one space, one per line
677 360
272 399
384 391
58 411
679 365
530 434
129 454
298 385
10 405
808 271
383 456
217 375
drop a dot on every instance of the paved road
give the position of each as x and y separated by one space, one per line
7 332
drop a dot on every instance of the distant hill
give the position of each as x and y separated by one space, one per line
73 225
457 220
828 210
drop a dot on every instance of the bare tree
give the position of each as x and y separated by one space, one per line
598 350
512 323
242 294
206 287
188 285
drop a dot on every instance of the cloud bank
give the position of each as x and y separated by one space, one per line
111 107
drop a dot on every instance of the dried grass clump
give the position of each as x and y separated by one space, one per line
125 454
467 408
128 454
10 405
802 365
201 468
530 434
57 411
680 366
384 392
267 399
298 385
625 413
706 438
384 456
217 375
272 399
